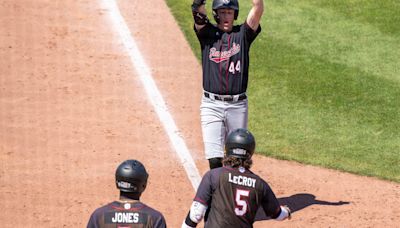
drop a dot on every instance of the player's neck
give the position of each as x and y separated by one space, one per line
126 196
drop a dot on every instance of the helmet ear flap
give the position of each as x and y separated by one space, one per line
216 17
144 185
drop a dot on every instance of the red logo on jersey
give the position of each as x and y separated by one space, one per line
220 56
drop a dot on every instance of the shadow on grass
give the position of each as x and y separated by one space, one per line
298 202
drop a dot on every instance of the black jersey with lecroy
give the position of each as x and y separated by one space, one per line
225 58
234 195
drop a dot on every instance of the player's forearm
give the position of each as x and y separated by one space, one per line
258 8
258 4
254 17
285 213
199 14
195 215
188 223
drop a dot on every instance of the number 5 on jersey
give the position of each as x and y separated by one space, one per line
233 68
241 202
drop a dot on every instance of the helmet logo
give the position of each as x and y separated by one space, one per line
239 151
226 1
126 185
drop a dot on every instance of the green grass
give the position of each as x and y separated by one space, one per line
324 82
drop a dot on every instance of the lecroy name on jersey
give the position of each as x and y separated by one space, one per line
242 180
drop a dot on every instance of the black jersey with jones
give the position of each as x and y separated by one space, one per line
225 58
123 214
234 195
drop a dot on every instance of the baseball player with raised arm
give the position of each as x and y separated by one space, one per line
233 193
128 212
225 62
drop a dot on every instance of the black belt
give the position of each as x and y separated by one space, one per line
224 97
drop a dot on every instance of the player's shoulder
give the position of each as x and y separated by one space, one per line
207 28
219 170
237 28
213 175
212 26
102 209
254 175
156 216
144 207
246 27
260 180
108 206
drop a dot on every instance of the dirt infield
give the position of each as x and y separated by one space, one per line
72 108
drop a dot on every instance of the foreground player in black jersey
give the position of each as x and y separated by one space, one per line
233 193
225 62
128 212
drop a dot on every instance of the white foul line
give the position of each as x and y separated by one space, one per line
153 93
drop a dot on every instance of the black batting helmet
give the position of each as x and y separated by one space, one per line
225 4
131 176
240 143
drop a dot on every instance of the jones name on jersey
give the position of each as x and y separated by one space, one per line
122 217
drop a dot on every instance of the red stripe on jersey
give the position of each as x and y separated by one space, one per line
220 69
227 66
201 201
131 209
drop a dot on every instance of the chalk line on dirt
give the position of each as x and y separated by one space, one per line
152 91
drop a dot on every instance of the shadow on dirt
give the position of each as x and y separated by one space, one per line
298 202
